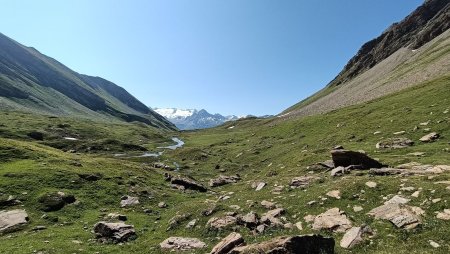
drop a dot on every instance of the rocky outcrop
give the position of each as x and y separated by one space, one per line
182 244
184 183
12 220
114 232
346 158
394 143
302 244
396 211
221 222
55 201
228 243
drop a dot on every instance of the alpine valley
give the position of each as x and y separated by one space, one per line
361 166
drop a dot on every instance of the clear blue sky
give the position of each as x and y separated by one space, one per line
227 56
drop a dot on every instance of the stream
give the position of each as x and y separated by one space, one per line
178 143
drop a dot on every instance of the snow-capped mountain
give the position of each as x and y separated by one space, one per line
189 119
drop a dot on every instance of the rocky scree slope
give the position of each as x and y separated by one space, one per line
415 50
33 82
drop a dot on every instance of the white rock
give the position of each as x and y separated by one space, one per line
371 184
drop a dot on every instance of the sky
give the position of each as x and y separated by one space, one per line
226 56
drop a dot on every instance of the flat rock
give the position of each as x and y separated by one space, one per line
430 137
267 204
271 217
221 222
338 171
259 186
250 220
334 194
115 232
394 143
228 243
185 183
301 244
129 201
181 244
347 158
222 180
445 215
302 181
353 237
12 220
371 184
401 215
397 200
333 219
358 208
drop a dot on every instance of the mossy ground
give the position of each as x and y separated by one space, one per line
270 150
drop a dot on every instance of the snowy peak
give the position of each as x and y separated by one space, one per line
189 119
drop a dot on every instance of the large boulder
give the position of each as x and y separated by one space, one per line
222 180
184 183
347 158
333 219
12 220
114 232
399 213
181 244
55 201
302 244
228 243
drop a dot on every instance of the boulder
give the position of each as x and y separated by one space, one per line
182 244
271 217
267 204
347 158
333 219
185 183
116 216
396 211
371 184
338 171
222 180
114 232
259 186
228 243
334 194
176 220
8 200
250 220
394 143
445 215
12 220
221 222
55 201
301 244
430 137
129 201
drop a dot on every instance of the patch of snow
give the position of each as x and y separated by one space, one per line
70 138
175 112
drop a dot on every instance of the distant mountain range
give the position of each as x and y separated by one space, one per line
33 82
190 119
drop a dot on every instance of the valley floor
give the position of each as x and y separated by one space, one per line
273 151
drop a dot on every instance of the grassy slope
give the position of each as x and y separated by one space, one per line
248 149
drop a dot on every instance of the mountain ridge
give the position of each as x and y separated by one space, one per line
31 81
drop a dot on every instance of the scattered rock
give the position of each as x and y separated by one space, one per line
221 222
228 243
162 166
415 194
290 245
55 201
162 204
8 200
191 224
397 200
333 219
129 201
271 217
354 236
114 232
418 154
347 158
434 201
90 177
434 244
209 211
39 228
394 143
181 244
334 194
12 220
260 228
250 220
445 215
267 204
259 186
430 137
357 209
302 181
177 220
299 225
222 180
116 216
371 184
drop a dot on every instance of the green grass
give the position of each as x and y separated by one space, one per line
271 150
